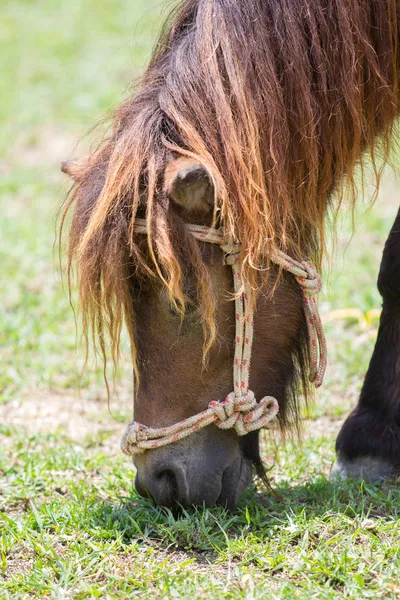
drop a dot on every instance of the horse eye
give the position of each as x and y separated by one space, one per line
190 309
191 302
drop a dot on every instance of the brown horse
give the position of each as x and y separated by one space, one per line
253 117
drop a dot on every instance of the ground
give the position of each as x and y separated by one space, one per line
71 525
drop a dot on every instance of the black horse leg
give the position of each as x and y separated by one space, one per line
368 444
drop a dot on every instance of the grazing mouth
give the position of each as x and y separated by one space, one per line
172 488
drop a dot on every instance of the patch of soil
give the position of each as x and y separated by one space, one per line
322 427
79 419
19 562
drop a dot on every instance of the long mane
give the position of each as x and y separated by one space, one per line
280 100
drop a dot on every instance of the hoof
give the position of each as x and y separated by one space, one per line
367 468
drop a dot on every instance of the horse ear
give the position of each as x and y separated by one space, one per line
188 184
76 169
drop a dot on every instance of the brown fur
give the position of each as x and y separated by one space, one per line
279 100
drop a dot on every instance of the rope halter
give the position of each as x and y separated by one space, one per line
239 410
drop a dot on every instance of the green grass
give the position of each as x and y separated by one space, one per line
71 525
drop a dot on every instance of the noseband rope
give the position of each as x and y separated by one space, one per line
239 410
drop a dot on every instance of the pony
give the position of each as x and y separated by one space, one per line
252 121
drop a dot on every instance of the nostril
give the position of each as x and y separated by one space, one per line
167 483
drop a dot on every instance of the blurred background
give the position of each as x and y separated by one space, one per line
65 64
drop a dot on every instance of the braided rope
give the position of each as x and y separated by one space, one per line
243 414
239 410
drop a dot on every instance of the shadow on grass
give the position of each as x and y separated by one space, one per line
207 532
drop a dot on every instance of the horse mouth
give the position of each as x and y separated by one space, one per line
173 488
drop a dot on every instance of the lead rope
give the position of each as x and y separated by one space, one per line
239 410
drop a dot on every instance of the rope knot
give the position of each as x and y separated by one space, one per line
310 280
243 413
231 253
135 434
